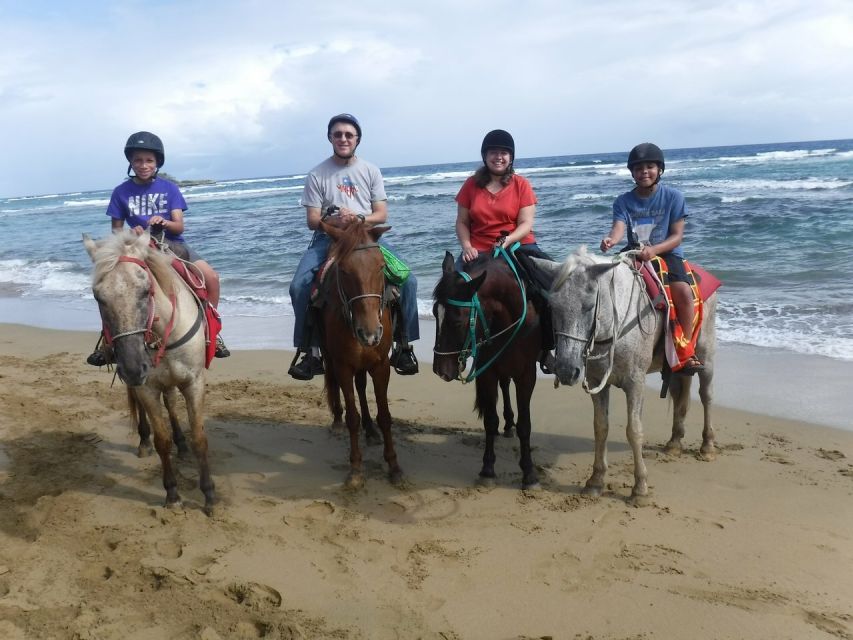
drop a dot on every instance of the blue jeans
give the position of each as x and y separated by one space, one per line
300 292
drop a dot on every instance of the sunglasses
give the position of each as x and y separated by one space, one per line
339 135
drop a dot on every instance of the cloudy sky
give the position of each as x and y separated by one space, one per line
245 88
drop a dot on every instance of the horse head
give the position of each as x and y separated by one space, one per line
357 277
575 300
123 286
453 304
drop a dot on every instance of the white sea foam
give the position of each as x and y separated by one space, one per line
48 277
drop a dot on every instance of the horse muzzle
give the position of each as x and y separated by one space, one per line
133 362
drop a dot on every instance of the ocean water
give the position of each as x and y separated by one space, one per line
774 222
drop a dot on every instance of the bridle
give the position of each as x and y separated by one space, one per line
153 341
590 341
471 344
347 302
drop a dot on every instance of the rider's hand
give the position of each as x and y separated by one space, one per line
469 254
606 244
348 215
647 253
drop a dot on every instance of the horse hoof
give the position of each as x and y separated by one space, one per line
639 501
531 486
174 505
487 482
144 450
184 453
354 482
672 449
591 492
509 432
396 478
708 455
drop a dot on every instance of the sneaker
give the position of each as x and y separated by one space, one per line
307 368
221 349
404 361
97 359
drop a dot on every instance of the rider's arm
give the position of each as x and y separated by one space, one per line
117 224
313 215
615 235
175 226
377 215
676 235
523 225
463 232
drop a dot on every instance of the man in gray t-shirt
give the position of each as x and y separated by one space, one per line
355 186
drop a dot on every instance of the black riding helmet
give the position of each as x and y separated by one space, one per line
344 117
646 152
145 141
498 139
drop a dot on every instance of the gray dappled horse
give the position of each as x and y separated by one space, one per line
146 305
608 333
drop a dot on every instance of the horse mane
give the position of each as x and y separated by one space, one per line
355 234
581 257
128 243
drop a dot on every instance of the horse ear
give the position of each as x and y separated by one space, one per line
90 245
448 265
474 285
599 269
548 267
376 232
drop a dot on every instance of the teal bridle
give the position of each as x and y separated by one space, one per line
471 345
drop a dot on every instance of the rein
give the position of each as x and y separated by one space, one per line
471 344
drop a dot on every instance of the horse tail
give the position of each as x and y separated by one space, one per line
135 409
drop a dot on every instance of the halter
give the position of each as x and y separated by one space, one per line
346 303
616 334
151 340
471 344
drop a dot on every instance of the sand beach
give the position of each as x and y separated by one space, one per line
757 544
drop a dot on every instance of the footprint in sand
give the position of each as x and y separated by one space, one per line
253 595
169 549
835 454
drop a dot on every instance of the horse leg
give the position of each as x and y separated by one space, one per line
509 416
333 398
634 432
170 399
355 479
143 428
601 426
194 395
679 391
524 391
371 435
708 451
150 400
486 403
383 417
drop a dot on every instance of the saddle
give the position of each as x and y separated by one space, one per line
703 284
213 322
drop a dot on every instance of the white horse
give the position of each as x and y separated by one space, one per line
608 333
148 309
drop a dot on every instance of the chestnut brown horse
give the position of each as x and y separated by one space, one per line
148 309
484 313
357 337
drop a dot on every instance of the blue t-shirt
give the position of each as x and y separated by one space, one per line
137 203
650 218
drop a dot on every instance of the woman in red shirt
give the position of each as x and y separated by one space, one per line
495 202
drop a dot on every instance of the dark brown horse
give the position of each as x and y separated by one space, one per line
485 314
357 338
